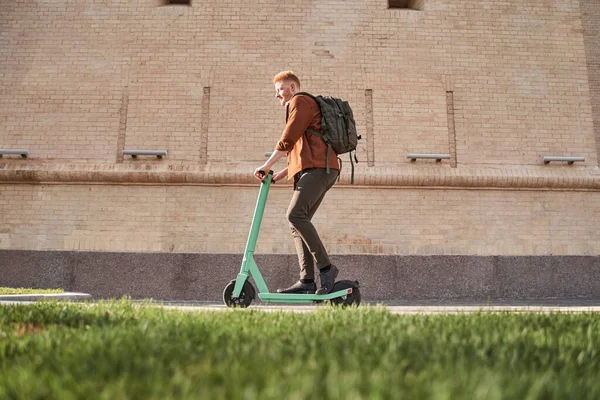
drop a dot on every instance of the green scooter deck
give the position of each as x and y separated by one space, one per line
301 298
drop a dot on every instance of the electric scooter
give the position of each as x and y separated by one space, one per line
240 292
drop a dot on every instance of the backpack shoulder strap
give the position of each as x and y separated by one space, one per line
306 94
316 133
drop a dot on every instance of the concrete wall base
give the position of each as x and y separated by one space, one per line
202 277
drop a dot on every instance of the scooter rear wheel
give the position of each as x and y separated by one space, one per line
245 298
352 299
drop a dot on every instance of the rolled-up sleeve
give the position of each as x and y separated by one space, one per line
299 117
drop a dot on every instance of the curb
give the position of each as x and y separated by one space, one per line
48 296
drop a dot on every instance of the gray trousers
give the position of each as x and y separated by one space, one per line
309 192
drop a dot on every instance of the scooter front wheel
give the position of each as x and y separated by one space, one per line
245 298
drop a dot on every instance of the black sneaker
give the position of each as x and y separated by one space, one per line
300 288
327 280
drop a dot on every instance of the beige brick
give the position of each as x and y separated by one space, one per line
377 221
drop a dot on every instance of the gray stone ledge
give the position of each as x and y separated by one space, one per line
202 277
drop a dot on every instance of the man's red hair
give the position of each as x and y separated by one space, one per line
286 76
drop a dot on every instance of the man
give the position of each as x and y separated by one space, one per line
306 165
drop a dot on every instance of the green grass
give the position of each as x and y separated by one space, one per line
121 350
6 290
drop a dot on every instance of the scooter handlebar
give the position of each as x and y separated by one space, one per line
262 173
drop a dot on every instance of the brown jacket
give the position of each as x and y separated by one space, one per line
305 150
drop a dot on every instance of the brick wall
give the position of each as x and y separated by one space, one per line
518 72
82 80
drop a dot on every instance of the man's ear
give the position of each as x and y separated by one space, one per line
293 87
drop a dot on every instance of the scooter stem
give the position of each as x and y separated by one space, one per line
258 213
249 266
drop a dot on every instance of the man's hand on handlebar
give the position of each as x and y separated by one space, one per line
261 172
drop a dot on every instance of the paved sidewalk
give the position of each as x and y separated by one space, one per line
72 296
421 306
446 306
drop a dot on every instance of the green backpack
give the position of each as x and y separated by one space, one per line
338 129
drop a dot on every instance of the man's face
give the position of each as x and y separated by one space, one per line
284 90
